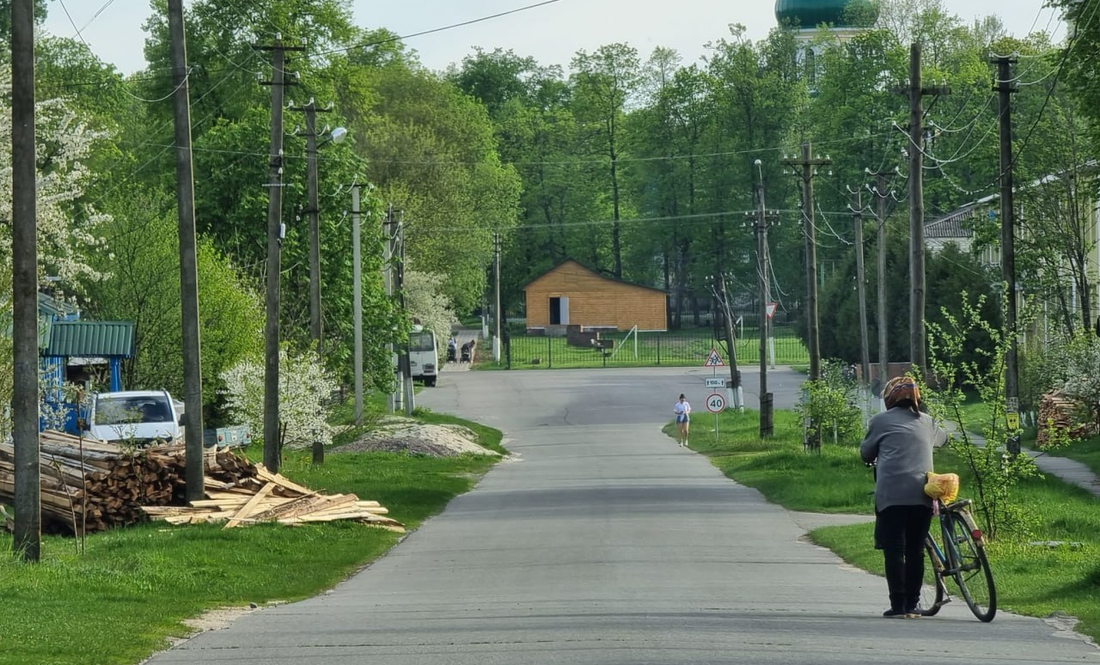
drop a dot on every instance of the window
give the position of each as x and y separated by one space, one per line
121 410
422 341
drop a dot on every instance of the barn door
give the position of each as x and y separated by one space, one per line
564 310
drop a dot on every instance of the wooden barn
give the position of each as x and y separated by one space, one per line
570 294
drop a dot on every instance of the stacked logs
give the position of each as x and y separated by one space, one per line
1056 411
90 486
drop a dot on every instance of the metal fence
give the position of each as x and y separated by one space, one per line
646 350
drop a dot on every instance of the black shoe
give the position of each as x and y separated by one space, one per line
895 613
914 612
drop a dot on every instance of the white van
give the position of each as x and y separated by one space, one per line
138 417
423 356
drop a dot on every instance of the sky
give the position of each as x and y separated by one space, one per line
551 33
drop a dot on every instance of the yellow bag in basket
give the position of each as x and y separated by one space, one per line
942 486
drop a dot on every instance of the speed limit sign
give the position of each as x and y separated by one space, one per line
716 403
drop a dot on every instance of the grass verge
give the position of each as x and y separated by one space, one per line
128 594
1032 579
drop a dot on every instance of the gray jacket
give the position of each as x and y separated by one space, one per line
901 442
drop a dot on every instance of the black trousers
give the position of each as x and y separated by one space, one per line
899 533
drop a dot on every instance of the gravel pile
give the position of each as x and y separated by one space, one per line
404 435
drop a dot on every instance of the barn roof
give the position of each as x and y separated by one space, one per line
597 274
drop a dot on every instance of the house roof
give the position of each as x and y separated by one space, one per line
604 277
91 339
955 223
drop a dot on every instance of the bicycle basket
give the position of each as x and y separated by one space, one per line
942 486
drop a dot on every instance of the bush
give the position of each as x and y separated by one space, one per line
832 404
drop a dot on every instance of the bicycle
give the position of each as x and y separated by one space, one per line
963 559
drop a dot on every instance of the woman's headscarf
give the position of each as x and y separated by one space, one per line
900 389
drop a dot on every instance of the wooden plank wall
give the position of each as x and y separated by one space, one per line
595 300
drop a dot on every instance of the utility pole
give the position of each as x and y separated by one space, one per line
764 218
861 288
315 332
883 351
278 82
357 301
406 368
918 341
1006 87
390 233
496 308
808 165
736 400
189 272
28 472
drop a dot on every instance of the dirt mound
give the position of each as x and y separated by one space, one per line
404 435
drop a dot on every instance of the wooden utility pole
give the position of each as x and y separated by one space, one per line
883 350
807 166
763 219
731 342
861 289
278 83
189 272
918 340
1006 87
390 233
406 368
315 326
357 301
27 539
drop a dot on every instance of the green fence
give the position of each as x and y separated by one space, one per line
645 350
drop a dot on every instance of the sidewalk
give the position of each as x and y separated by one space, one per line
1069 470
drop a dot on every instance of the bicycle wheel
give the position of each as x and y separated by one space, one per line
931 592
971 567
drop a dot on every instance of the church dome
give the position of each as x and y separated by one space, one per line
809 14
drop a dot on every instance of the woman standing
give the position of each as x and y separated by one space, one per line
899 442
683 419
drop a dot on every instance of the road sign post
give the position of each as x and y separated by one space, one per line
716 404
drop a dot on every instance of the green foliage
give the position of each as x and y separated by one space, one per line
831 405
995 472
144 287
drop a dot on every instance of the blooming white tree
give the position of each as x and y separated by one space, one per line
304 387
67 228
425 301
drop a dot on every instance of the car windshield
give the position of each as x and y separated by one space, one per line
120 410
422 341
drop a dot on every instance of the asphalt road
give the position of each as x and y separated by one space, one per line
603 542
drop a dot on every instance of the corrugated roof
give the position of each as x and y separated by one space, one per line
91 339
607 278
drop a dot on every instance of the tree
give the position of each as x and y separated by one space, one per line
605 82
425 302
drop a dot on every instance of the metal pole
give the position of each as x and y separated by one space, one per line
811 260
189 279
766 415
861 290
883 326
28 479
357 301
387 279
496 255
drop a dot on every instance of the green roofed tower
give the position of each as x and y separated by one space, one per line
811 14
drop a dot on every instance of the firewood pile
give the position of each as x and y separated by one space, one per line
90 486
1060 412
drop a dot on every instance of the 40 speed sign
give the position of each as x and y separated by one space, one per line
716 403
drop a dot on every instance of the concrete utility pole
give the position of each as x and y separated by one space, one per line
736 398
808 165
315 332
861 289
918 340
278 82
406 367
1006 87
189 272
883 350
390 233
24 404
357 301
763 219
496 307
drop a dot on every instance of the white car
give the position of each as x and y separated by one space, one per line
137 417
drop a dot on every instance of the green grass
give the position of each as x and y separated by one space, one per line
1031 579
127 595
